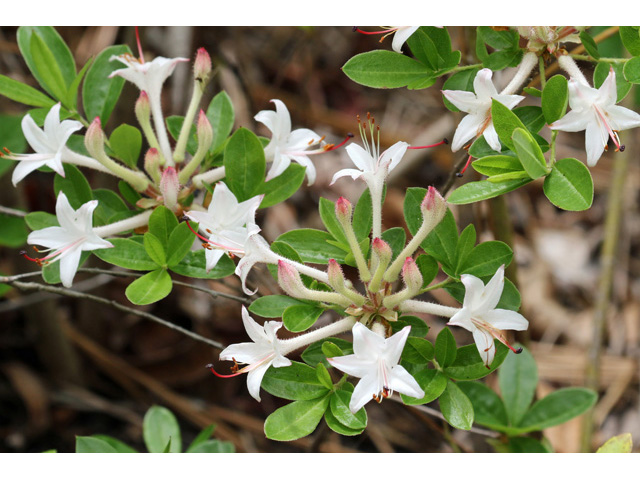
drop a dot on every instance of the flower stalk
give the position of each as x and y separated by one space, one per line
344 211
205 138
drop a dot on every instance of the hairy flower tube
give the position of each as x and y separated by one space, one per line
596 112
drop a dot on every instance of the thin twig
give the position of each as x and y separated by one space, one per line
452 176
12 212
27 286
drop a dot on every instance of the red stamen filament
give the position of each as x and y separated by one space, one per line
206 240
139 46
220 375
335 147
464 169
443 142
34 260
379 32
612 133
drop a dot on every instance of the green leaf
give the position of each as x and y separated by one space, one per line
569 185
499 39
21 93
117 445
418 351
12 138
432 382
555 98
363 216
338 427
48 70
179 245
295 382
60 58
174 126
160 427
327 210
497 165
93 445
423 48
72 92
339 405
126 143
589 44
13 231
194 265
280 188
456 407
161 223
128 193
601 73
396 238
419 329
74 185
469 366
619 444
487 405
518 378
330 350
126 253
298 318
40 220
155 250
110 205
202 437
486 258
630 39
462 80
526 445
149 288
221 115
476 191
531 116
273 306
296 420
314 353
502 59
558 407
505 122
428 268
385 69
465 246
534 92
244 164
446 349
631 70
213 446
99 92
312 245
324 377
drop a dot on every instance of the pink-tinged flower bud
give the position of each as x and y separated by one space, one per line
152 162
433 207
289 280
411 275
94 139
143 108
336 277
204 131
344 209
170 187
202 66
382 250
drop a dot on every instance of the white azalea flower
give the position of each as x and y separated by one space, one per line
375 362
595 111
228 223
74 235
287 145
264 350
478 106
480 316
372 167
48 143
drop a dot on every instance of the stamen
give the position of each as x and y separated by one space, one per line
465 167
390 30
6 150
443 142
209 244
220 375
206 240
37 261
331 147
139 46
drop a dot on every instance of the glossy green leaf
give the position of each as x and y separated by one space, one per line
483 190
149 288
428 269
154 248
423 48
117 445
314 353
396 238
295 382
109 206
128 193
631 70
13 231
327 210
446 349
496 165
340 428
469 366
296 420
339 405
505 122
99 92
385 69
174 126
502 59
298 318
363 216
161 223
324 377
487 405
486 258
555 98
126 253
40 220
12 138
74 185
418 351
22 93
456 407
589 44
273 306
244 164
531 116
499 39
48 70
126 143
93 445
518 379
630 39
194 265
221 115
601 73
280 188
202 437
569 185
419 328
558 407
466 243
619 444
432 382
534 92
312 245
160 427
526 445
179 245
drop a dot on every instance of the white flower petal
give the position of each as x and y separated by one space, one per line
283 121
463 100
366 388
392 156
462 319
346 172
212 257
308 164
366 344
485 344
509 101
301 139
352 365
622 118
491 293
24 168
483 86
361 158
395 345
596 137
280 163
468 128
608 91
574 121
506 319
401 36
401 381
491 136
254 379
69 262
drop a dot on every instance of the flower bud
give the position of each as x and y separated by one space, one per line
336 277
202 66
382 250
152 164
170 187
433 207
204 131
289 280
143 108
411 276
344 209
94 139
